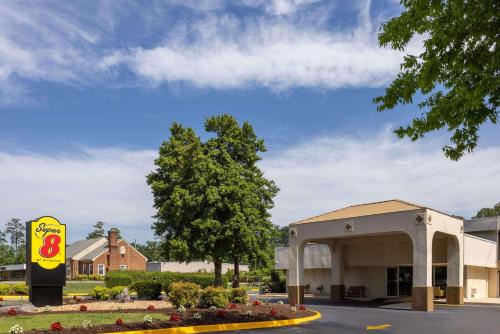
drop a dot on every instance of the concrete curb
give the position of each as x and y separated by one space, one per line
226 327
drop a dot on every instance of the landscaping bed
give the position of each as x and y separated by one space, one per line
163 318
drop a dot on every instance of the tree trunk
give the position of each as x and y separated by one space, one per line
236 279
218 272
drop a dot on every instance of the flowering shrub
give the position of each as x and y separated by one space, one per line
239 296
100 293
16 329
151 307
214 296
119 322
280 302
12 312
181 309
302 308
46 308
221 314
293 309
56 326
233 306
83 308
256 302
175 317
147 319
273 312
212 308
183 293
87 324
197 316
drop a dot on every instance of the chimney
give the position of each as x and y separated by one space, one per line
113 238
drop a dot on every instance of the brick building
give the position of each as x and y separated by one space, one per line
100 255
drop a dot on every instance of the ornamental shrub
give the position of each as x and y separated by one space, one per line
100 293
16 329
4 289
115 291
148 290
56 326
214 296
82 277
83 308
128 277
119 322
184 294
239 296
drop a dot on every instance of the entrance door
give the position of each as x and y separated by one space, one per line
405 281
392 281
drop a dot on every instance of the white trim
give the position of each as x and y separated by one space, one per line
123 267
125 241
99 266
89 249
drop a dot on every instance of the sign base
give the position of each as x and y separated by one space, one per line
46 295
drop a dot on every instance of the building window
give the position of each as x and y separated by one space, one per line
68 270
123 267
100 269
83 269
122 250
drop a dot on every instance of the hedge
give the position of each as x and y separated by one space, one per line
129 277
147 290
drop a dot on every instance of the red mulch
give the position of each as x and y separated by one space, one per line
259 313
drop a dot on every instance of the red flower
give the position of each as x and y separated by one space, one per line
233 306
221 314
56 326
12 311
1 299
151 307
175 317
256 303
273 312
83 308
119 322
302 308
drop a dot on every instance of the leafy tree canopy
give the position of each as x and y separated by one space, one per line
457 73
489 212
98 231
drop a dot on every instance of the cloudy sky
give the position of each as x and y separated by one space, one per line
89 89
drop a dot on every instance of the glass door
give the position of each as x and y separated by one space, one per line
405 281
392 281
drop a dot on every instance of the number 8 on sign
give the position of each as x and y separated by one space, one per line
50 246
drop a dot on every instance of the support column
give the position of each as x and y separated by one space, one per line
422 293
337 288
296 274
455 272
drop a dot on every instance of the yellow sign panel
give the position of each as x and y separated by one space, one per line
48 242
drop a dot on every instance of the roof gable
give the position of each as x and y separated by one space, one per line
361 210
80 248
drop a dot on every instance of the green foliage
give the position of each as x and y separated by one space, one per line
239 295
14 289
115 291
98 231
184 294
151 250
85 277
489 212
276 282
214 296
128 277
211 198
457 72
4 289
146 289
100 293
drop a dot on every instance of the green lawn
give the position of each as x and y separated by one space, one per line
81 287
43 321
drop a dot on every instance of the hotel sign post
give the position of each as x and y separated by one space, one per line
45 261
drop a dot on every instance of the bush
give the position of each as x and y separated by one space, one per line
19 289
128 277
213 296
147 289
184 294
239 296
96 277
100 293
115 291
82 277
278 281
4 289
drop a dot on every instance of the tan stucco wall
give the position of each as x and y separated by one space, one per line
479 252
477 279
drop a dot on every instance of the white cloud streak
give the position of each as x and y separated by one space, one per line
316 176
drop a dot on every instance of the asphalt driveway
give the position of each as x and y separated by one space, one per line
354 318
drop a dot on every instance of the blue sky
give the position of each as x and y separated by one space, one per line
89 89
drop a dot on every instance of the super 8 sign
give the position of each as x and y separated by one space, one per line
48 241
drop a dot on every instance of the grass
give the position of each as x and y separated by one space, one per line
81 287
43 321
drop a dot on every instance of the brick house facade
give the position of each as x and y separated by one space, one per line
100 255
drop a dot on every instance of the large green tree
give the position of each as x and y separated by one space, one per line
457 74
211 199
489 212
15 230
98 231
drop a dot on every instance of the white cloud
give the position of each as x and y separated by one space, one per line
328 173
315 176
79 189
227 53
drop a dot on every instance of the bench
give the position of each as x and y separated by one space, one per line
356 292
